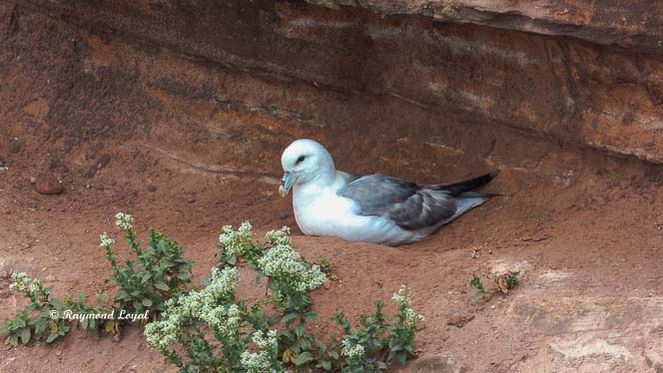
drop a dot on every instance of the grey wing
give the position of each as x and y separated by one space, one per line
407 204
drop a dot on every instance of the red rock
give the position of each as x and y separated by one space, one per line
459 320
513 71
617 24
48 185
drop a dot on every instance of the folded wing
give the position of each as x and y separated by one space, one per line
409 205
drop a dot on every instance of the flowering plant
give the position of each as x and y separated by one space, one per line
39 319
377 343
157 273
272 335
209 329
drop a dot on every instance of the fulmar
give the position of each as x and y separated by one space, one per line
371 208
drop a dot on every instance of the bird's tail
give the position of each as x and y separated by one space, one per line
466 202
461 187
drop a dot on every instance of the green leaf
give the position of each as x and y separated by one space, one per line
477 295
512 279
25 335
101 298
121 295
304 345
184 276
40 327
147 302
475 283
161 286
289 317
322 347
299 330
401 358
52 337
310 315
303 358
326 365
63 329
145 277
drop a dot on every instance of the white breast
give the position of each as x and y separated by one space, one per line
320 211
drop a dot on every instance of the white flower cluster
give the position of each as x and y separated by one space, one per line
124 221
236 243
265 341
262 361
402 298
160 334
282 263
224 318
106 242
222 285
22 283
351 349
209 304
279 237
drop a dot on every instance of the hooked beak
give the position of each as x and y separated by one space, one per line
287 181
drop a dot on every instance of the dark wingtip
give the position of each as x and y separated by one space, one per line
479 195
493 174
491 195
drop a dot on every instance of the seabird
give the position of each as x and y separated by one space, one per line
371 208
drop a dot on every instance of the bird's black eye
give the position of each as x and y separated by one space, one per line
301 158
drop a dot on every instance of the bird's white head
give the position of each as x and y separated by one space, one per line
304 161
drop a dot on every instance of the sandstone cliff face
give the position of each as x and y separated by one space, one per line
601 88
635 25
528 85
179 110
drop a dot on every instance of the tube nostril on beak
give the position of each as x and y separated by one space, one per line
287 181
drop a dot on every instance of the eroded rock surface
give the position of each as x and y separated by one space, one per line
637 25
455 86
